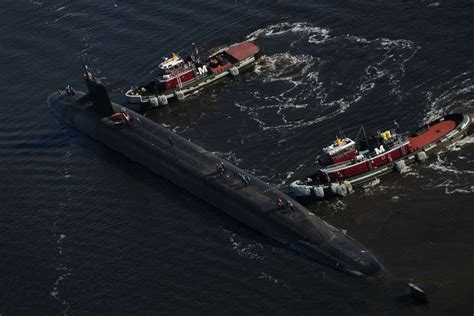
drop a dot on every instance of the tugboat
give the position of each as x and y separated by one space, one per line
347 163
179 77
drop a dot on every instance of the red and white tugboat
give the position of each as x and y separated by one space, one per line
346 163
179 77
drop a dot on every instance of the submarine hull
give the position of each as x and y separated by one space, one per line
193 168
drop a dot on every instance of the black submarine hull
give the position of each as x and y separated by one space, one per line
193 168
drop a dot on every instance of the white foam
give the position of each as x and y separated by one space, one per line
279 64
285 28
38 3
454 92
320 37
68 15
229 156
337 206
372 183
246 250
450 188
410 171
268 277
63 270
457 146
442 165
299 79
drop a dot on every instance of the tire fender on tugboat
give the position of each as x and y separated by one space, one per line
163 100
179 95
234 71
421 156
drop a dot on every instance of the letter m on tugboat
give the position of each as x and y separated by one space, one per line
202 70
379 150
346 163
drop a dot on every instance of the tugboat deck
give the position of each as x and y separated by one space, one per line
243 50
432 133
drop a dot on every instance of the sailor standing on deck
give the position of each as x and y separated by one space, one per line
69 90
220 168
280 203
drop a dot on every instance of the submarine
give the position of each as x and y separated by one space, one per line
234 191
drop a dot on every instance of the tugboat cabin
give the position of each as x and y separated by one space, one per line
342 149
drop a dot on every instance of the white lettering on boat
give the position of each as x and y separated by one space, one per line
202 70
379 150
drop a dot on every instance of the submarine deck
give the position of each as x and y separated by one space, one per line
204 163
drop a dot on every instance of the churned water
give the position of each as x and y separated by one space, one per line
85 230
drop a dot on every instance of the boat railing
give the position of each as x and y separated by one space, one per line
341 164
133 98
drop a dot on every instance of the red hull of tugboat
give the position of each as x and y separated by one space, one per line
181 77
340 174
173 83
368 165
429 137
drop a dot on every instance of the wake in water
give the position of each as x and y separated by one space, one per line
456 92
337 206
244 249
63 271
454 175
312 76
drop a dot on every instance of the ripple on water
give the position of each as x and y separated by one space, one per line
311 90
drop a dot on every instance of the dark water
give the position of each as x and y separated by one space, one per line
84 230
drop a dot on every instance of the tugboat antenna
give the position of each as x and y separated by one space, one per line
358 133
195 53
365 134
341 132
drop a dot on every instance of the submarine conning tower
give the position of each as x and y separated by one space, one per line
97 94
210 178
